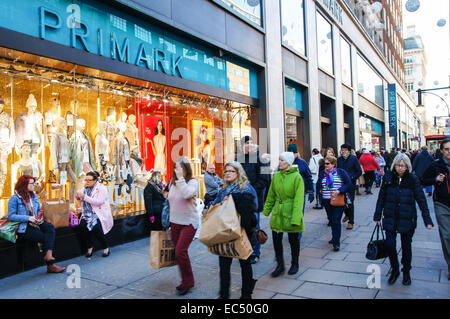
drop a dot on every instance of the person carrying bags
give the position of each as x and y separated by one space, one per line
285 203
246 203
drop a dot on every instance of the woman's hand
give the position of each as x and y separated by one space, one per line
80 195
429 226
34 220
335 193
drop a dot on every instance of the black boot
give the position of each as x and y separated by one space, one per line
294 268
394 275
248 291
280 267
406 278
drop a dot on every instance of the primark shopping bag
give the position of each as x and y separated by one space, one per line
240 248
221 224
162 249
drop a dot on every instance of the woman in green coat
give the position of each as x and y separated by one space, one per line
285 202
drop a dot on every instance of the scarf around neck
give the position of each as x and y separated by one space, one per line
330 178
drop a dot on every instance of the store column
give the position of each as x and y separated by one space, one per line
355 99
340 136
313 77
274 78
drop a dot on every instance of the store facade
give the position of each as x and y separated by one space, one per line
127 94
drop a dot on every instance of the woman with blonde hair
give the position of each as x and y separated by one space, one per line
246 203
396 205
184 219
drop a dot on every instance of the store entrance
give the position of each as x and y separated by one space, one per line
328 122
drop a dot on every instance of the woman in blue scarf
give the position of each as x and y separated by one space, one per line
246 203
333 181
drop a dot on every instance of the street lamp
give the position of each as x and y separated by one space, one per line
420 108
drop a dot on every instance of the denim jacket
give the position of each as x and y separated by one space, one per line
17 211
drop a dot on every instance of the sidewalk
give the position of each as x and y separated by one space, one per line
126 273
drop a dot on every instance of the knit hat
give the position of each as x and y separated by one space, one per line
292 148
288 157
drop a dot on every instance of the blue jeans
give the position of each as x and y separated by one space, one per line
254 240
334 215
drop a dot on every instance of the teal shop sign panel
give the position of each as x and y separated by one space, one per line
96 28
293 95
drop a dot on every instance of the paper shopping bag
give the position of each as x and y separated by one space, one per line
162 249
56 212
220 224
240 248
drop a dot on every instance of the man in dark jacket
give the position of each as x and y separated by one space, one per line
392 155
350 164
257 171
420 165
303 169
438 174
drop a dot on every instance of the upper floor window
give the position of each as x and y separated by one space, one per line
324 43
251 9
346 62
292 24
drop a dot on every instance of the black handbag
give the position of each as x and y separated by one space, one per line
376 249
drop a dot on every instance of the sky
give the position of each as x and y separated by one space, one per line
436 41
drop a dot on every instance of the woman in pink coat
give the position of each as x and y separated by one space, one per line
369 165
96 218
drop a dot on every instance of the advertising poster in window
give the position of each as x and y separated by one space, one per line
156 143
202 132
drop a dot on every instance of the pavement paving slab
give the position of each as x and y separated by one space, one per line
323 273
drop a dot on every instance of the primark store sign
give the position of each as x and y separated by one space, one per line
96 28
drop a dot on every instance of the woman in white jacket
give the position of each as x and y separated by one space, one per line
314 168
184 219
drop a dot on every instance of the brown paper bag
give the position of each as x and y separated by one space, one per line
162 250
240 248
220 224
56 212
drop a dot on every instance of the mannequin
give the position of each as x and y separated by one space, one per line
81 151
131 133
50 116
28 126
120 152
136 162
59 155
101 145
28 165
110 124
6 142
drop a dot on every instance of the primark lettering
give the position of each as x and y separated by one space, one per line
226 250
158 60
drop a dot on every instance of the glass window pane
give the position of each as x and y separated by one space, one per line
293 28
251 9
370 84
324 44
346 62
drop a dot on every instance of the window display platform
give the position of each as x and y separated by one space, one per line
23 255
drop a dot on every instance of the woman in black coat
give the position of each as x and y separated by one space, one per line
154 199
397 199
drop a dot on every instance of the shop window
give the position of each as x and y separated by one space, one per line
293 24
293 96
124 128
324 43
